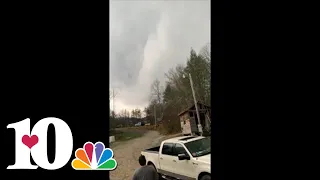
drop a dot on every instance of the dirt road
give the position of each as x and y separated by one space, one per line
127 154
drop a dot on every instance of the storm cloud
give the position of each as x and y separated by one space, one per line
147 38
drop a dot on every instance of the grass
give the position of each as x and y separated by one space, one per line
125 134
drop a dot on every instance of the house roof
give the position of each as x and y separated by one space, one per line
190 107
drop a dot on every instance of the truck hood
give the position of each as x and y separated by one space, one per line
205 158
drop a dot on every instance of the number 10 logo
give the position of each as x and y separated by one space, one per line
34 143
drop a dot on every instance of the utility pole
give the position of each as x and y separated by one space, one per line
155 116
196 104
114 94
113 102
125 117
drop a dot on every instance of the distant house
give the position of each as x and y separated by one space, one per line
189 120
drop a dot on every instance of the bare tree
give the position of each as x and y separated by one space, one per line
127 113
112 94
122 113
157 98
133 113
206 53
138 113
156 91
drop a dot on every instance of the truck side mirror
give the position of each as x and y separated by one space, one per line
183 157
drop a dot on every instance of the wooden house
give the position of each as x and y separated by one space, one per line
189 120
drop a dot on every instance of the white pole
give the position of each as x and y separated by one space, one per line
196 104
155 116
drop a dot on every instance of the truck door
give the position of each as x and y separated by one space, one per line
184 168
166 158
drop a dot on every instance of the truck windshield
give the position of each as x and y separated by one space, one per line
199 147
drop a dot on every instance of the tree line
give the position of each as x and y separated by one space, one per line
167 100
125 118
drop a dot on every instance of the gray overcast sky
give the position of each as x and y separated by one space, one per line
147 38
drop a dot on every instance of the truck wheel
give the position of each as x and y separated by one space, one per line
206 177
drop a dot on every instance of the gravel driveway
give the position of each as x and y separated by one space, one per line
127 154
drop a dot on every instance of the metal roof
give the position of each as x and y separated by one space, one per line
191 107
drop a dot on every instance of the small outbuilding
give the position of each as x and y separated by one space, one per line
189 120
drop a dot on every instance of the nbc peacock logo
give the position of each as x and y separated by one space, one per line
94 157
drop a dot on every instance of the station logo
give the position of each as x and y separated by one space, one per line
94 157
33 143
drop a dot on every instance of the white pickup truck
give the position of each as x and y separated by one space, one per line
185 158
